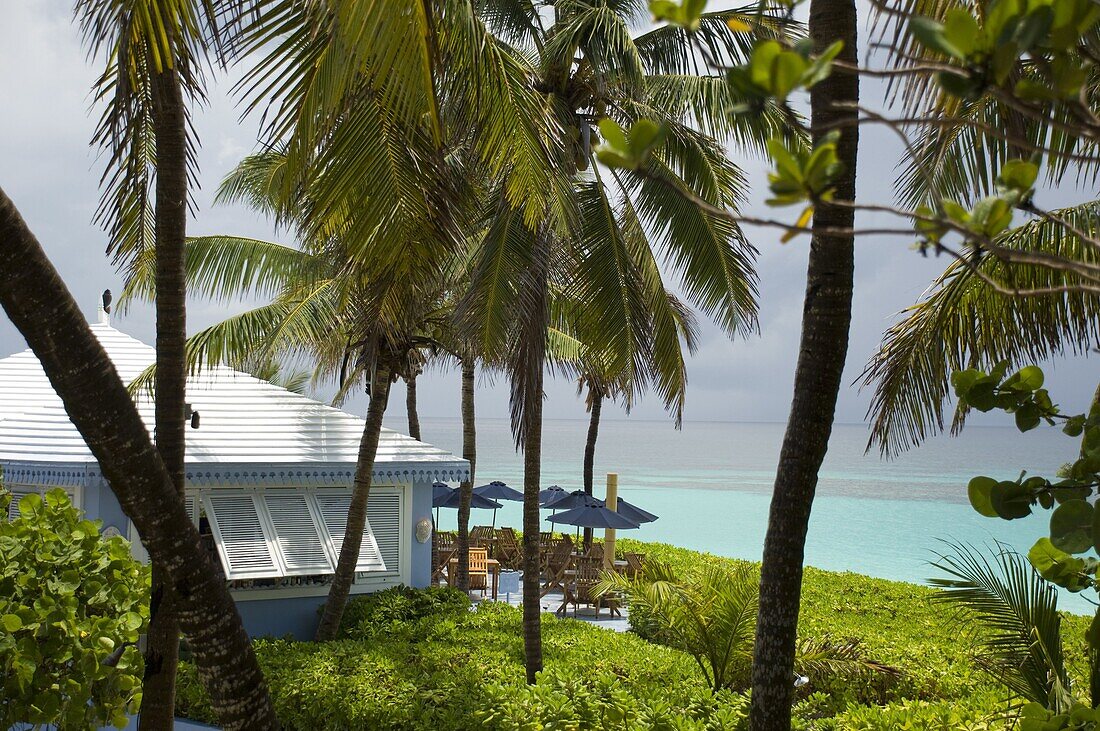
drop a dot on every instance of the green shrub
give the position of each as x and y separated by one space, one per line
369 614
72 605
457 670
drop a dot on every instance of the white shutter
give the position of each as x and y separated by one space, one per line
243 542
18 492
384 509
333 506
297 533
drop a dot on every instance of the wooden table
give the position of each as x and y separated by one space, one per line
491 564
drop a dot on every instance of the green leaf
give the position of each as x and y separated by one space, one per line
1019 175
1027 417
980 490
1057 566
1071 526
11 623
961 31
1011 500
930 34
1074 426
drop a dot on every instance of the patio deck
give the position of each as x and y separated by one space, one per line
511 592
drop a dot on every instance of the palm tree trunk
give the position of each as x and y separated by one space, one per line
410 407
41 307
827 314
357 512
469 453
596 397
532 475
162 643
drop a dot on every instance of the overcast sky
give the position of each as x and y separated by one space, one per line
48 169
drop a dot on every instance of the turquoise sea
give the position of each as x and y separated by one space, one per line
710 483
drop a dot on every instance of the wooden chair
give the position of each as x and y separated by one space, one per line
634 562
581 589
479 569
595 551
483 534
557 563
508 550
444 548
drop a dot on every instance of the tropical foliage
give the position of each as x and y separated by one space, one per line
72 606
463 669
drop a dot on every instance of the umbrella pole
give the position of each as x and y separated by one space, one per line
494 519
612 504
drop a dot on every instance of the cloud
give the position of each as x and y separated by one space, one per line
48 169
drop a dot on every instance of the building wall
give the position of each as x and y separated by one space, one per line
420 563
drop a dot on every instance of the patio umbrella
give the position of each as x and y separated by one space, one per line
441 499
550 494
633 512
497 490
440 492
575 499
593 515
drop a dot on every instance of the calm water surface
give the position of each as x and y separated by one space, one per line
711 484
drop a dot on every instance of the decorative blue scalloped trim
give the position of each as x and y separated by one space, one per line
229 475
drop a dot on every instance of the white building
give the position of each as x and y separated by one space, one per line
268 484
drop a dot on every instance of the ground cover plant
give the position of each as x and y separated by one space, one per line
420 660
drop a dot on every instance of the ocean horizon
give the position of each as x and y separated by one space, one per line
711 483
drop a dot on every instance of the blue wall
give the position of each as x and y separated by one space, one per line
296 616
420 574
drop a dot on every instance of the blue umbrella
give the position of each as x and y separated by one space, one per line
476 501
497 490
593 515
575 499
633 512
440 492
548 496
444 496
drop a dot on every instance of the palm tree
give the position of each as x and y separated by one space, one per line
826 317
359 319
551 219
37 301
152 74
599 384
597 238
961 321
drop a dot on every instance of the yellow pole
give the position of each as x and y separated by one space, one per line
612 502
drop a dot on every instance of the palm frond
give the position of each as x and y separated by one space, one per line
1016 615
668 49
961 322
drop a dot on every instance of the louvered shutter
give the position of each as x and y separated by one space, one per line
384 509
18 492
243 541
333 506
297 534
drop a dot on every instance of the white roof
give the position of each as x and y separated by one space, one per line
243 420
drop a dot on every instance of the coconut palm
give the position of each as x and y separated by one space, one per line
154 51
962 322
600 242
822 351
360 319
38 303
598 384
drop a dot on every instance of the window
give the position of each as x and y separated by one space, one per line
18 492
293 536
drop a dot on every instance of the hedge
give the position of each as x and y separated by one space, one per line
436 666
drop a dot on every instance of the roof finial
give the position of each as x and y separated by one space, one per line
105 308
